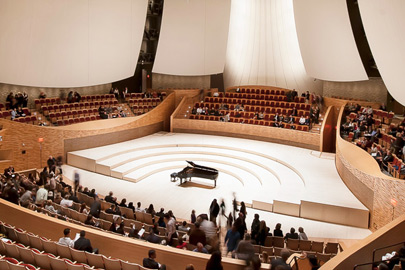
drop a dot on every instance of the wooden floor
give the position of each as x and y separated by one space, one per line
253 170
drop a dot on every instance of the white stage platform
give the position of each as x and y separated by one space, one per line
271 177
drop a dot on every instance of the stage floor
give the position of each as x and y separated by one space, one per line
256 171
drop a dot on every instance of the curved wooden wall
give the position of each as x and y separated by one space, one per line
58 140
362 175
109 244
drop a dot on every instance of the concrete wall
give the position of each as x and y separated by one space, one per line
372 90
172 81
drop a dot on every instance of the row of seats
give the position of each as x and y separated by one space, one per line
296 245
76 120
27 120
145 101
54 116
262 91
50 255
267 123
248 104
231 96
8 263
39 102
252 110
76 106
141 109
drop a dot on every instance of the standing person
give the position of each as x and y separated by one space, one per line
243 209
76 183
235 205
170 228
214 211
193 217
245 250
232 239
255 226
95 208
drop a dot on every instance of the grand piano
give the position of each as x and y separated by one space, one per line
195 171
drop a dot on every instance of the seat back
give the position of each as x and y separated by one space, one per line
63 251
78 255
111 264
305 245
95 260
278 241
23 237
57 263
12 251
26 255
42 260
292 244
49 247
331 248
129 266
317 246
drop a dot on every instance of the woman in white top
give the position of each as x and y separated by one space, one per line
302 120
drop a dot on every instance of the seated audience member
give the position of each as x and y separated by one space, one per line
292 234
199 111
151 210
200 248
90 221
120 228
277 231
214 263
26 198
281 261
183 227
152 237
302 235
151 263
131 206
291 119
190 267
65 240
245 250
387 159
133 232
84 244
50 208
42 95
194 110
307 121
255 264
139 208
109 198
83 209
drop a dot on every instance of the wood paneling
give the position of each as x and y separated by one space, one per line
363 177
254 132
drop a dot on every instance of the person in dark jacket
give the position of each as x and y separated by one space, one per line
214 211
84 244
151 263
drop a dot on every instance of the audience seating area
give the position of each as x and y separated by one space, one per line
382 121
269 102
30 251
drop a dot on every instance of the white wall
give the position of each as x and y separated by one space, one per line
263 47
326 40
193 37
384 23
69 43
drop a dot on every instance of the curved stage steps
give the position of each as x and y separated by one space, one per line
276 178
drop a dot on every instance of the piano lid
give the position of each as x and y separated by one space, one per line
191 163
196 166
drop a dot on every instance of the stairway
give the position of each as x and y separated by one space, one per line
316 128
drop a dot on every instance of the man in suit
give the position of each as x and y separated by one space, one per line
84 244
151 263
282 261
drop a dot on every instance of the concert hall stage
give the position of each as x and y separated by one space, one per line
282 183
